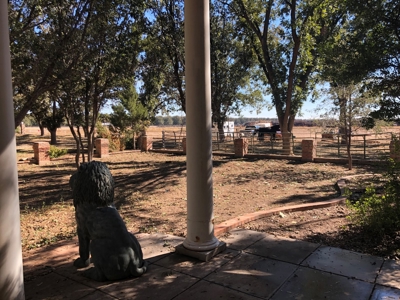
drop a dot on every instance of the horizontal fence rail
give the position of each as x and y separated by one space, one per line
363 146
169 140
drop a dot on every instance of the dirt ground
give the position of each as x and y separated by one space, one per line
151 196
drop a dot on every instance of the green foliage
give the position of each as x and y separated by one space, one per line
233 65
380 213
29 120
163 67
104 133
55 152
168 121
159 120
127 140
115 139
53 121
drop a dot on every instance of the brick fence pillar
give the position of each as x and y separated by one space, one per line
146 143
184 145
102 147
41 152
395 150
241 147
309 150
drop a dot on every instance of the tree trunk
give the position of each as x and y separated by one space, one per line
287 123
287 143
342 119
22 128
350 159
53 136
221 132
90 146
41 130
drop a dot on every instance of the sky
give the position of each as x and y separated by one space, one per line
308 112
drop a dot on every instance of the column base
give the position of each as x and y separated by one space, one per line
201 255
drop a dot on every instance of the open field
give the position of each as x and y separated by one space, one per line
156 131
365 145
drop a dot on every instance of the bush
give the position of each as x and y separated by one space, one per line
380 213
104 133
55 152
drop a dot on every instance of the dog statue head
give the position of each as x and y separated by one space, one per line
93 184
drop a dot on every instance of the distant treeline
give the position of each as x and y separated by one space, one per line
181 121
240 121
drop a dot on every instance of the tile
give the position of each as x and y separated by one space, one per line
285 249
254 275
71 272
52 256
195 267
310 284
157 283
207 290
97 295
53 286
390 274
344 262
240 239
157 246
201 255
385 293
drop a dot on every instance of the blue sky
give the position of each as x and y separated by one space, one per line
308 112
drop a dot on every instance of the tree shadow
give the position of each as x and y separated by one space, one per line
359 239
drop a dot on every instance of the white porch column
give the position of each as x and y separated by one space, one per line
200 228
11 274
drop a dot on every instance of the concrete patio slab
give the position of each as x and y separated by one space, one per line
385 293
54 286
70 271
98 295
201 255
282 249
52 256
254 275
194 267
240 239
157 283
236 273
390 274
313 284
155 246
346 263
207 290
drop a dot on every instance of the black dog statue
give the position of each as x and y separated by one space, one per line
115 253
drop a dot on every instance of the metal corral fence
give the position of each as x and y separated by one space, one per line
169 140
270 143
363 146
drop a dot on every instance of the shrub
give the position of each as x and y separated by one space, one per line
104 133
128 139
55 152
380 213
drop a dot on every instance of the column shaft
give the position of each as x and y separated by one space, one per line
11 274
200 228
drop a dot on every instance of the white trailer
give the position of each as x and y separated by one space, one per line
229 128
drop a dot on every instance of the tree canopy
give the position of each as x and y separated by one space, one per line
286 37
